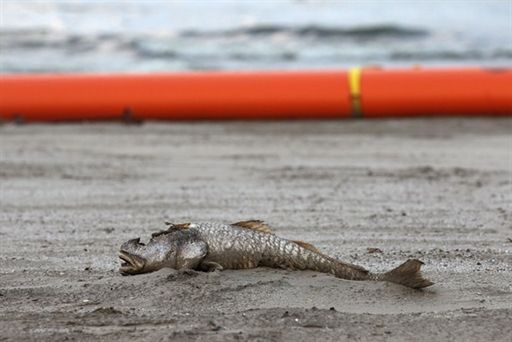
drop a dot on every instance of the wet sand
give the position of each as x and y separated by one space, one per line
436 190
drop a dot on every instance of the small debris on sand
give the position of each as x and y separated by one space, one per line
372 250
109 311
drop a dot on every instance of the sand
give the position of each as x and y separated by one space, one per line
437 190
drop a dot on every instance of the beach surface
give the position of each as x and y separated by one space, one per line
374 193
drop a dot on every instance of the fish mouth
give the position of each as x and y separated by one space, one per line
130 263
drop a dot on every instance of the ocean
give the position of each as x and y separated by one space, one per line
153 36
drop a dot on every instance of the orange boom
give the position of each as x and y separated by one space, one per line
437 92
257 95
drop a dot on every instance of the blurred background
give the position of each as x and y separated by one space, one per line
148 36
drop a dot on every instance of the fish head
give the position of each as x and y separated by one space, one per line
137 257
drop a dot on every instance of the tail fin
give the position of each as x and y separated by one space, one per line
407 274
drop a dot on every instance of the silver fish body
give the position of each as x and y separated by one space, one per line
247 244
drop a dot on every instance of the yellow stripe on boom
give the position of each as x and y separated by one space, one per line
354 83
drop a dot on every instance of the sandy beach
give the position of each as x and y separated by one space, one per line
374 193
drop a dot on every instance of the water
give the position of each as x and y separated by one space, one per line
148 36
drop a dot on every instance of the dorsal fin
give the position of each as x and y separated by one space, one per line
256 225
181 226
306 246
172 227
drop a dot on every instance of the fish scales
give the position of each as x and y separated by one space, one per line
259 248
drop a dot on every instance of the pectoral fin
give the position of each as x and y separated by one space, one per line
210 266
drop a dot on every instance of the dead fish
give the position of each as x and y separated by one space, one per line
210 246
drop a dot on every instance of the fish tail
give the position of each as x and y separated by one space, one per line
407 274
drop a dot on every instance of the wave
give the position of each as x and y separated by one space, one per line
36 38
163 46
315 31
448 55
41 50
